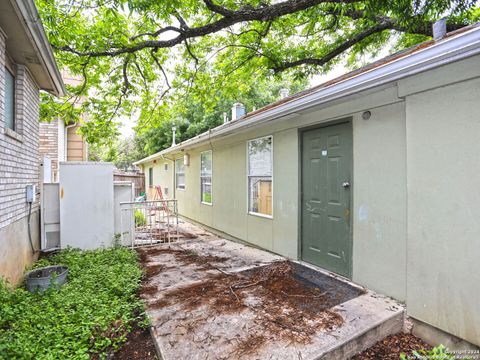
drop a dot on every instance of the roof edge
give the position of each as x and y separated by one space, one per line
34 25
448 50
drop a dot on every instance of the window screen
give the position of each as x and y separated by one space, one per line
9 100
206 177
260 176
150 176
179 174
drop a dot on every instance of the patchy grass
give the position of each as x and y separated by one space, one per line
89 316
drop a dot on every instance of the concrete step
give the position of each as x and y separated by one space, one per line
368 319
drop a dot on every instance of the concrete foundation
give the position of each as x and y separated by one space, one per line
435 336
15 250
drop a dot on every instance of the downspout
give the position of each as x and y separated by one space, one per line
65 139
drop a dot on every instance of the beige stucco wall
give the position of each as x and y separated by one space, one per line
380 201
379 196
160 177
228 212
443 135
415 202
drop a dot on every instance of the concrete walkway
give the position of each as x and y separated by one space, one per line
198 331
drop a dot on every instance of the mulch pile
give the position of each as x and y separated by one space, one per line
284 307
392 346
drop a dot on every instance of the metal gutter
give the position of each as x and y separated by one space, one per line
39 40
446 51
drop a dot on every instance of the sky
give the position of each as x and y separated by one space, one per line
126 129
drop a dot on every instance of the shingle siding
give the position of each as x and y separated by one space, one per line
19 155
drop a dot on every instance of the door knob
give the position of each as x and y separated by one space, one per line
346 184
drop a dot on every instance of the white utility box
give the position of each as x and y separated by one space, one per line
86 205
31 193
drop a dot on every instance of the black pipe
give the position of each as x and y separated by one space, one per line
29 229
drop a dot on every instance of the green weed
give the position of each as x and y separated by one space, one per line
91 314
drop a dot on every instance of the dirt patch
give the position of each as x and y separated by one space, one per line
139 346
185 257
284 307
152 270
190 257
158 304
163 235
392 346
146 290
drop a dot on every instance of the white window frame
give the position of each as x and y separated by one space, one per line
150 176
248 178
176 173
10 67
211 179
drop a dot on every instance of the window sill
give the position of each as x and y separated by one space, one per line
260 215
183 189
14 135
205 203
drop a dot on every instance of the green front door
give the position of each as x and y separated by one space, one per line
326 192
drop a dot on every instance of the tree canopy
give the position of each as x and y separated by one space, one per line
158 59
191 118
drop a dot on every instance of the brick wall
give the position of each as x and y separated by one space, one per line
19 156
49 142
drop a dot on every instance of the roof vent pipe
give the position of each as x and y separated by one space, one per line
225 118
284 93
238 110
439 29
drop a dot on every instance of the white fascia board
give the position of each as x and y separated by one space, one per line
40 42
446 51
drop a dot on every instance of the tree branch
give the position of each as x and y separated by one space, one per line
335 52
157 33
263 13
419 26
218 9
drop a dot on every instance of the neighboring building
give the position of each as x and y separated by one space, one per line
26 66
60 142
373 176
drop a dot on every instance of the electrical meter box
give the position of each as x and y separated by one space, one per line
31 193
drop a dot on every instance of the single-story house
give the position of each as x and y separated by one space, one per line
373 176
26 66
